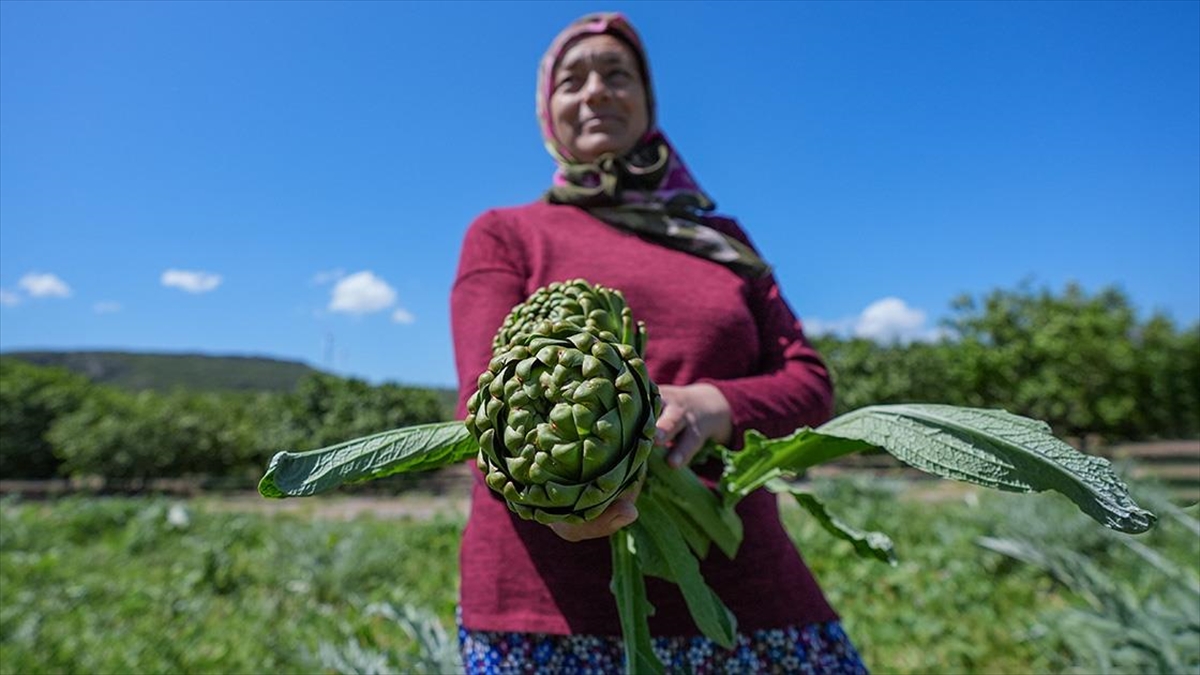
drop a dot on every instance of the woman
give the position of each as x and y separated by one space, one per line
725 348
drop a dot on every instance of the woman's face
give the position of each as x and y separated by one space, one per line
598 103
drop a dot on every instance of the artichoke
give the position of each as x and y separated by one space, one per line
574 301
564 414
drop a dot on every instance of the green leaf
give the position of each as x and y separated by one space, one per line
664 554
762 459
629 588
698 503
866 544
697 540
416 448
995 449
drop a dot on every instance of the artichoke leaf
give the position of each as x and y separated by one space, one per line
875 545
697 502
762 459
673 561
628 586
416 448
695 536
995 449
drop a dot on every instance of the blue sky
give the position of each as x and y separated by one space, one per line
294 179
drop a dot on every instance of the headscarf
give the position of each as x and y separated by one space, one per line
649 190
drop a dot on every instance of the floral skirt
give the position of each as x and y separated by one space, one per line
817 649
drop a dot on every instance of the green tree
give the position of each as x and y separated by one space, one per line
1166 380
117 434
326 409
1069 359
867 373
31 398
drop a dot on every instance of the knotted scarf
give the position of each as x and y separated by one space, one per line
649 190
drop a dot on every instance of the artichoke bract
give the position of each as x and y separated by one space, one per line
565 413
575 301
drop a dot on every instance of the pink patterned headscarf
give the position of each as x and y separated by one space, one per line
677 178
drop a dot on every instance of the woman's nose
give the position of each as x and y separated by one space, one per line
595 87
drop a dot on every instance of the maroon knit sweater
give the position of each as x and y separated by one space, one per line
704 323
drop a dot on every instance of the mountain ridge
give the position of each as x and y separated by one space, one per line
163 371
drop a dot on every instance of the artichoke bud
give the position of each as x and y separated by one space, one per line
520 420
509 387
485 379
625 382
563 494
594 512
524 372
561 375
568 456
496 387
548 355
492 411
513 439
608 428
628 410
592 367
582 340
518 467
583 417
562 419
571 358
486 437
496 479
546 469
565 413
532 390
598 457
519 398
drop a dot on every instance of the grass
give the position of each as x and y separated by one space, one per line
151 586
122 585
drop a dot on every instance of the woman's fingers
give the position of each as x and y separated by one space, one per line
672 420
691 415
687 444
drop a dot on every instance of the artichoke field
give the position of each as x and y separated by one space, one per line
563 422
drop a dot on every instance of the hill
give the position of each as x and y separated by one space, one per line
163 372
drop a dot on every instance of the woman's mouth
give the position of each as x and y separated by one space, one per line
599 121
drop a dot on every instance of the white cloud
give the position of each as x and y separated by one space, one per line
401 315
886 320
44 286
889 320
9 298
361 293
106 307
191 281
325 276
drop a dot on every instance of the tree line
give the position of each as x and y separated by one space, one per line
57 423
1085 363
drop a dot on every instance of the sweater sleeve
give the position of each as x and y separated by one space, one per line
792 387
490 281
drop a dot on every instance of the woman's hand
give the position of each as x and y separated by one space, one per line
691 415
618 514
